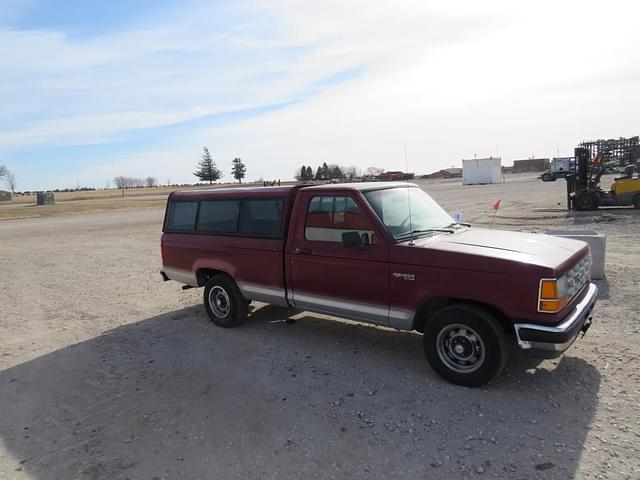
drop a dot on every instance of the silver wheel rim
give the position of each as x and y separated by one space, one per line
219 302
460 348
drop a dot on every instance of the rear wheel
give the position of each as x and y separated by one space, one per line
587 201
465 345
636 200
223 301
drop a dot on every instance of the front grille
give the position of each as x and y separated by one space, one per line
578 276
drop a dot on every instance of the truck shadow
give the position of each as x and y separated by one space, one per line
175 397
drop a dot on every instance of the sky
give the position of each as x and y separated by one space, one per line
94 90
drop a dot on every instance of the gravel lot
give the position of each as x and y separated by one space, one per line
106 372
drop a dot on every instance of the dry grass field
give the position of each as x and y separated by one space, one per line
106 372
24 206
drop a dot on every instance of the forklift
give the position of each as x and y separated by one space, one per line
583 184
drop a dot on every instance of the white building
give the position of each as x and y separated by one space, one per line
480 171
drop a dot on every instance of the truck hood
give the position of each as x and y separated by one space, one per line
529 248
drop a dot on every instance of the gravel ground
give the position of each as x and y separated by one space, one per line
108 373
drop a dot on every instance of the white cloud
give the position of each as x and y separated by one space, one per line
450 78
530 85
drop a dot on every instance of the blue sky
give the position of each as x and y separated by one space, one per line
93 90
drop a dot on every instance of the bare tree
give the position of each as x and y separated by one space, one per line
120 182
351 172
373 171
11 182
151 182
128 182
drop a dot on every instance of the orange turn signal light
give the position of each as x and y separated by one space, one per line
549 289
552 295
552 306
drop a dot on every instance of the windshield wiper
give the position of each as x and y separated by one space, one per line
454 225
412 233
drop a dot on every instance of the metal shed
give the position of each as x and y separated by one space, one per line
5 196
480 171
45 198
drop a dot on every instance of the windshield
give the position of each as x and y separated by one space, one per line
393 205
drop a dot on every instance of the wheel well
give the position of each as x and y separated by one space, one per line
431 306
204 274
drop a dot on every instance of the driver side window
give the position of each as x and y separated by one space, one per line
328 217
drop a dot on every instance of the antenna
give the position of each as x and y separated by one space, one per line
406 177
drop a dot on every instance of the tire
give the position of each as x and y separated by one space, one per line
586 201
223 301
546 177
636 200
465 345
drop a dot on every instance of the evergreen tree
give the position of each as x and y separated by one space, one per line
302 174
326 174
207 170
238 170
319 173
309 173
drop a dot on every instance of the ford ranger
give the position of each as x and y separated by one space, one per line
387 254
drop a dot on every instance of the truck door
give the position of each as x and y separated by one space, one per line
325 275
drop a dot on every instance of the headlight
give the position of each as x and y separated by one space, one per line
552 295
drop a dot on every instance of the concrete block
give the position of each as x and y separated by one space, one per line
597 245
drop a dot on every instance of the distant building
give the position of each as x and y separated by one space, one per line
531 165
453 172
395 175
5 196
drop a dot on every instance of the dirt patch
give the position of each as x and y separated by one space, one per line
107 372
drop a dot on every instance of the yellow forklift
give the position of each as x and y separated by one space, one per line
583 185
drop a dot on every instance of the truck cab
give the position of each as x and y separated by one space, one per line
560 167
385 254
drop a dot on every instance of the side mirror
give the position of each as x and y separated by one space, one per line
351 239
355 239
364 240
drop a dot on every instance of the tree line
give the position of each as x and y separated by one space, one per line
134 182
208 170
327 172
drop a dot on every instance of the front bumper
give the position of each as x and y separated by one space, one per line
551 341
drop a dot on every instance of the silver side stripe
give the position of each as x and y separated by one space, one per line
401 319
261 293
364 312
182 276
341 308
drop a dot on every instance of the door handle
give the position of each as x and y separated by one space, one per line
303 251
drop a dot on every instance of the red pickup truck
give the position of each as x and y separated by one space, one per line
387 254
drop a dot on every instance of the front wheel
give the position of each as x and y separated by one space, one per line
547 177
223 301
636 200
465 345
587 201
